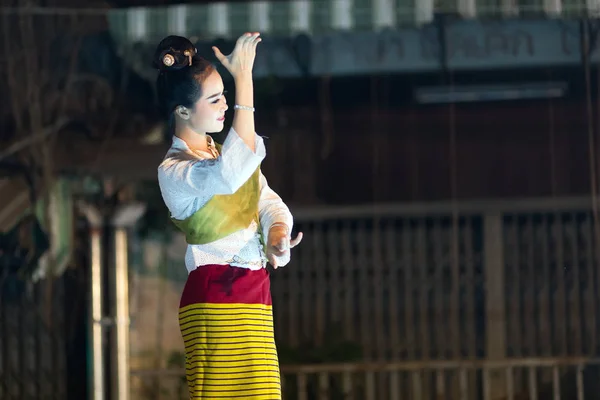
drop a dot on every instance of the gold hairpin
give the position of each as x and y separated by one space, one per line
188 54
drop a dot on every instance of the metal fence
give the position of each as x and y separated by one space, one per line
33 340
440 294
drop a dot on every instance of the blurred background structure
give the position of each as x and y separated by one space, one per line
441 158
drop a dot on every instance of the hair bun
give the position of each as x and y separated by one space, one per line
174 53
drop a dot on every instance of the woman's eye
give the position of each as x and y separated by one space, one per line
221 97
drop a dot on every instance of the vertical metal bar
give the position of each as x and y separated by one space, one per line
347 386
454 292
591 289
308 296
341 14
137 24
4 345
556 382
96 380
580 391
509 8
421 250
300 11
336 268
545 316
553 8
260 16
177 19
384 13
467 8
125 216
323 386
442 337
440 383
349 283
366 300
21 352
495 295
469 287
533 387
393 289
510 384
575 320
381 338
417 386
464 384
320 284
424 10
530 289
560 321
121 315
409 290
97 366
424 286
487 390
370 386
514 287
301 384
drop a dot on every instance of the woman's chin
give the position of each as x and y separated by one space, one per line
217 128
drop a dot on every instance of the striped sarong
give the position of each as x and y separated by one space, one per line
226 322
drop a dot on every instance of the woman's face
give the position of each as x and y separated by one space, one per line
208 114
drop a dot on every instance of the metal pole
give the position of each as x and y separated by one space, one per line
124 217
121 314
96 376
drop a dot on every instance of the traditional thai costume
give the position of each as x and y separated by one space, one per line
225 208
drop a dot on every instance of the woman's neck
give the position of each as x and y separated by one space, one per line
194 140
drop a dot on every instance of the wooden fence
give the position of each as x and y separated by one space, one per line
394 285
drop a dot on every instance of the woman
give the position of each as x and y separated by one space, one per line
233 223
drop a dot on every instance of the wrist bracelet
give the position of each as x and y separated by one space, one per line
238 107
287 228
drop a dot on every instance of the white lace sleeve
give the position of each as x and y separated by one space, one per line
272 209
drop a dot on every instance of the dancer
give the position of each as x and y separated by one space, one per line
233 223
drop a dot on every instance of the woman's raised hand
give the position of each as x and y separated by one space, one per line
241 60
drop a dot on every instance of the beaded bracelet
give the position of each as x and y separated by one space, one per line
238 107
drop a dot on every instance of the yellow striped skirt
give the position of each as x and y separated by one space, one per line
226 323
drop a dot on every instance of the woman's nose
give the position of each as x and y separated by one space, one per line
225 106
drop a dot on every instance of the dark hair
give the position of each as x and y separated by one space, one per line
181 73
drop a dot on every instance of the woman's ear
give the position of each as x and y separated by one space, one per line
183 112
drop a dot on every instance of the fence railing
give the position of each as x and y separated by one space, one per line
528 378
484 284
481 279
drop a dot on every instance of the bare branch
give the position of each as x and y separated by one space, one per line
34 139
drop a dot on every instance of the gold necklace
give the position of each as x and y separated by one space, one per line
211 148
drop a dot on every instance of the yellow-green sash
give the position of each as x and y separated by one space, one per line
223 214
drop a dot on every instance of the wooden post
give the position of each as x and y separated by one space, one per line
493 258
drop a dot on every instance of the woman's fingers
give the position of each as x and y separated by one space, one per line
296 241
219 55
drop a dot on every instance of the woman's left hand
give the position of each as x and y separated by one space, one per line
241 60
279 243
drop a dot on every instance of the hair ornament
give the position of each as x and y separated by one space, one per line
189 55
168 60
